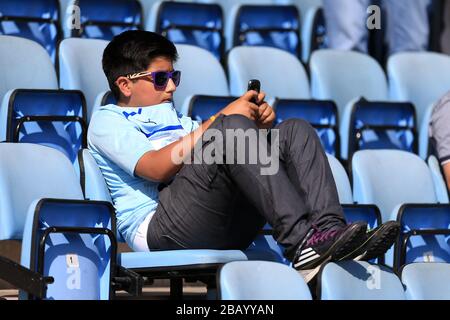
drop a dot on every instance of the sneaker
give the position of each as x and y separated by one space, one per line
378 241
319 247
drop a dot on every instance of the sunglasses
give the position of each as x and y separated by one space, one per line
159 78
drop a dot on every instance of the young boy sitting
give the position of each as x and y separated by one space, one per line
163 203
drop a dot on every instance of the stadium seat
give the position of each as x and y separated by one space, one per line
391 179
24 64
171 264
342 76
198 24
266 25
261 280
427 281
322 115
314 32
343 186
103 98
63 237
38 20
81 68
425 147
55 118
103 19
201 74
281 74
439 182
357 280
422 85
202 107
378 125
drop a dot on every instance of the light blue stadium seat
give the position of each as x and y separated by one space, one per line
24 64
80 62
267 25
424 131
42 205
55 118
358 280
439 182
173 264
281 74
427 281
103 19
38 20
390 179
103 98
201 74
314 32
261 280
322 115
199 24
423 84
342 76
343 186
378 125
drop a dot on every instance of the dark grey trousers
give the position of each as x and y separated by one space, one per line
224 206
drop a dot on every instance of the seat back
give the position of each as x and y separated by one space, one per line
103 19
344 75
29 172
37 20
389 178
427 281
379 125
201 74
92 181
281 74
24 64
268 25
358 280
314 31
322 115
54 118
198 24
261 280
343 186
424 133
80 62
423 84
439 182
202 107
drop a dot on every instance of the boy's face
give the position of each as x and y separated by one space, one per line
141 92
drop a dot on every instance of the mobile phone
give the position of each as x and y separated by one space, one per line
254 84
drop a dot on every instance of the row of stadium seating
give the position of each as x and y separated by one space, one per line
346 98
213 25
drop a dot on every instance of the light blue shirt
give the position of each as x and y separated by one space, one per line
117 138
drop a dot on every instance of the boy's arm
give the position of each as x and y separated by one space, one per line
446 169
160 166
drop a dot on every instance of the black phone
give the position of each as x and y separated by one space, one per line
254 84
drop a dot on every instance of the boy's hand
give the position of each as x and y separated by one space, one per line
266 115
243 106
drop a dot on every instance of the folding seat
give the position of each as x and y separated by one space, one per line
281 74
265 25
425 147
343 185
426 281
37 20
358 280
198 24
173 264
314 32
419 77
103 19
55 118
394 180
261 280
201 74
342 76
378 125
68 242
322 115
24 64
438 179
80 68
103 98
202 107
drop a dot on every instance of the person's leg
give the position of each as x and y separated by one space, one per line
411 32
199 208
346 24
308 169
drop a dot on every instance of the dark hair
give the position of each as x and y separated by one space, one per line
132 52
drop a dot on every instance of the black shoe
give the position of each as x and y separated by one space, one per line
330 245
378 241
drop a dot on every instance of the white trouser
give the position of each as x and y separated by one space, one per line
140 238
